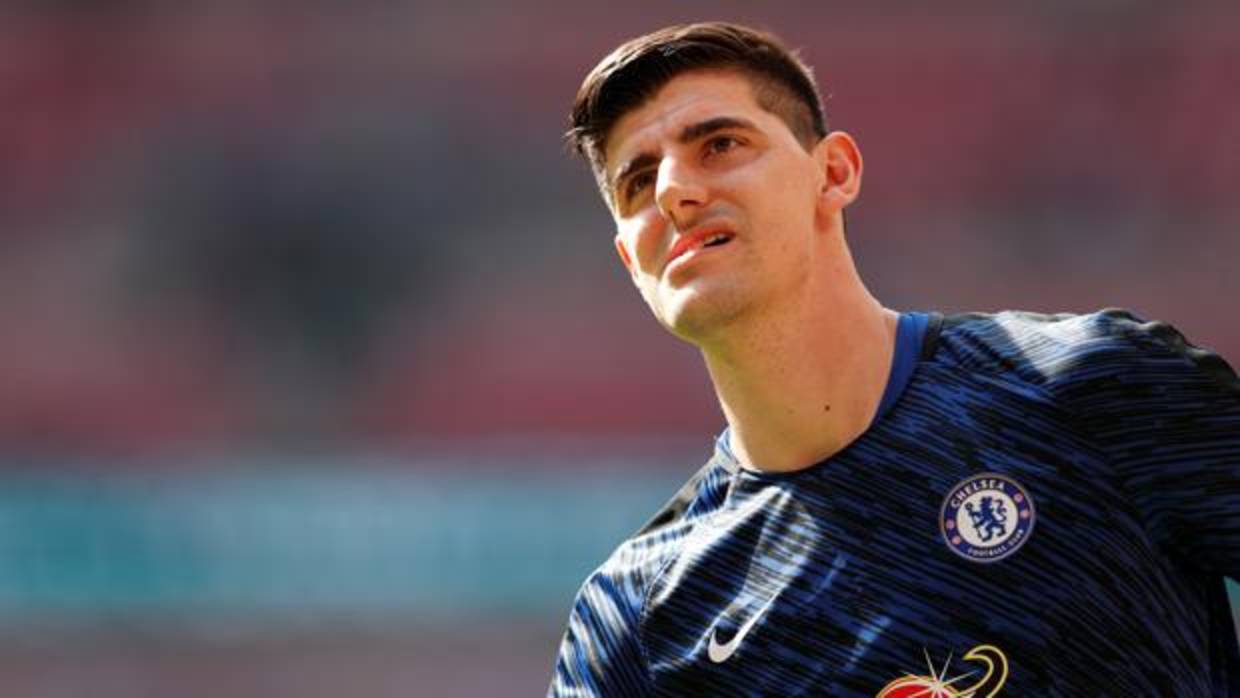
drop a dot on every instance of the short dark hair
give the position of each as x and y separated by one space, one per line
783 85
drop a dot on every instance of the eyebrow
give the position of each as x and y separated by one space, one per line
688 134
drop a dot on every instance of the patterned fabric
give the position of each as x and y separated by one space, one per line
838 580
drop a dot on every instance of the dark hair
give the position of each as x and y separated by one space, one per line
783 85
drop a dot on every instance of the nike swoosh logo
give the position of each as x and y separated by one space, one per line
719 653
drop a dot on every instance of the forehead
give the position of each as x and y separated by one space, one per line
685 99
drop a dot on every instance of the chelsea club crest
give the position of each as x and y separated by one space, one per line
986 517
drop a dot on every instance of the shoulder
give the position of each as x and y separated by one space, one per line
602 652
639 559
1065 350
1013 337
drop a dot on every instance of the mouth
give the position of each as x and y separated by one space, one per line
696 242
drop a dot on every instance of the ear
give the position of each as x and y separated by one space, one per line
839 158
624 254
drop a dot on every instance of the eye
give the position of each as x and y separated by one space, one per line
637 183
721 144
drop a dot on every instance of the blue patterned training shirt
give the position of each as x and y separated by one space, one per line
1045 505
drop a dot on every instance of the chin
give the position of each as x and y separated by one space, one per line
696 316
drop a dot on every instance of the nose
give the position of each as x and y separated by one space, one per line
679 192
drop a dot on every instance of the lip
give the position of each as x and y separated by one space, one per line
693 241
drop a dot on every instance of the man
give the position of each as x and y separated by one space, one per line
902 504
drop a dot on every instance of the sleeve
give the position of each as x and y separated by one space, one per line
601 654
1166 414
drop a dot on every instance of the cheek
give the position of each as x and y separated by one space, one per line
779 184
788 203
642 239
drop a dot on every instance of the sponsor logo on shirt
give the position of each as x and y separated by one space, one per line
937 684
719 652
987 517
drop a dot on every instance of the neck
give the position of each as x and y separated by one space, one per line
799 383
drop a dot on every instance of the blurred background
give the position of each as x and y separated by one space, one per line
319 375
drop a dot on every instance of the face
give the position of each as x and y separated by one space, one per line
719 210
